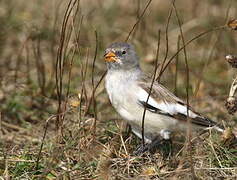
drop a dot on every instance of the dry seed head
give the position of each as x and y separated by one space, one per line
232 60
228 138
232 24
231 105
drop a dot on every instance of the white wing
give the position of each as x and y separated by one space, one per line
174 108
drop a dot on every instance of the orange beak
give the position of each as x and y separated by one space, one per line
110 57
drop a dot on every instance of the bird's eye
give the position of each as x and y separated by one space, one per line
123 52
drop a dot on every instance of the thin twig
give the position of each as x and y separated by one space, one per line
83 88
19 60
187 43
189 130
42 142
93 83
58 66
212 50
153 80
60 62
214 152
138 20
227 12
166 42
70 74
200 77
94 90
176 68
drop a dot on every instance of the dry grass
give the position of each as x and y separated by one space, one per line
56 121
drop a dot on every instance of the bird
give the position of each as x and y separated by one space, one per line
131 91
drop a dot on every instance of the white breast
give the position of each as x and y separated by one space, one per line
118 86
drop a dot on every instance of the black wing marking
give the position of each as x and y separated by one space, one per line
153 109
198 120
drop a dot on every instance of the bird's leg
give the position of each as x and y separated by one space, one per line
127 131
158 143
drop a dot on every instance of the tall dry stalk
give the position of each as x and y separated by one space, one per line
153 80
60 66
189 130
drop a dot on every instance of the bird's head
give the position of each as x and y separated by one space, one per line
121 55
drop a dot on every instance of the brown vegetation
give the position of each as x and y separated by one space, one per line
55 117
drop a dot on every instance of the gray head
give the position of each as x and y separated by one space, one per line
121 55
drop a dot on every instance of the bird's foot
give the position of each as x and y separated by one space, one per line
141 149
163 145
